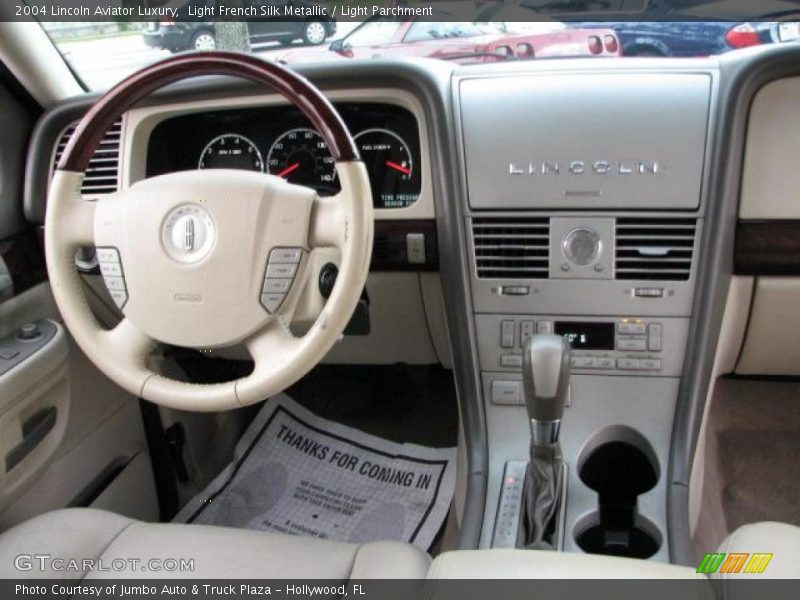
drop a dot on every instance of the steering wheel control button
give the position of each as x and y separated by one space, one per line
272 302
188 233
107 255
111 269
285 255
281 270
119 297
113 276
114 283
277 286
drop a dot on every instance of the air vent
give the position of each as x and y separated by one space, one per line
655 249
102 174
512 248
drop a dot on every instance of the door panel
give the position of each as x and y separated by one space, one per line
34 404
68 435
108 467
95 450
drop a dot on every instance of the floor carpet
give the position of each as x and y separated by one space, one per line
755 426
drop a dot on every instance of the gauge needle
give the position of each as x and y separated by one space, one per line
290 169
396 167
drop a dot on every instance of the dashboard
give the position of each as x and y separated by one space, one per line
509 166
280 141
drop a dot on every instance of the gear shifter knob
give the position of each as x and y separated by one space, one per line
545 381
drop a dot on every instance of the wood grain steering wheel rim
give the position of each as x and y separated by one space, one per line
216 298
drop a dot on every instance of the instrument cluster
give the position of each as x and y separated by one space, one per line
281 142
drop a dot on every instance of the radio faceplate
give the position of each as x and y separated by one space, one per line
622 346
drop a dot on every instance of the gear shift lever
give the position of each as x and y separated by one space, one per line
545 377
545 380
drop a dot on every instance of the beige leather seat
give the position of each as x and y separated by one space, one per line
218 552
221 552
544 564
779 539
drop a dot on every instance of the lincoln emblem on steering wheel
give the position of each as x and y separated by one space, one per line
188 233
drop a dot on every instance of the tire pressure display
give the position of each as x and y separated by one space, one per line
392 173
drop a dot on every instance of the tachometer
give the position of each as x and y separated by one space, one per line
395 183
231 151
301 156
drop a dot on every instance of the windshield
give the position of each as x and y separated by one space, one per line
101 52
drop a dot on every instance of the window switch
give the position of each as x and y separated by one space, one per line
8 353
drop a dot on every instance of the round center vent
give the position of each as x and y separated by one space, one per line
582 246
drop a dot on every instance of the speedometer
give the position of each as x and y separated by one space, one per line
393 177
301 156
231 151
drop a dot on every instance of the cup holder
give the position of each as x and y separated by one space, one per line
619 464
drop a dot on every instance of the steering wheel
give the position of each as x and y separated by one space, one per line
206 259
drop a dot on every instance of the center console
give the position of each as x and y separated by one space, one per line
583 218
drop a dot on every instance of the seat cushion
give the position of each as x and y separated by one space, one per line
779 539
546 564
217 552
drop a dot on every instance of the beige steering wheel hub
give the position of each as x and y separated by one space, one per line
208 259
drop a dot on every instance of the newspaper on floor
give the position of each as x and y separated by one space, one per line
294 472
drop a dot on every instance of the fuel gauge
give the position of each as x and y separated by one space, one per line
394 181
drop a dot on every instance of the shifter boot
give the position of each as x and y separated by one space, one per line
541 498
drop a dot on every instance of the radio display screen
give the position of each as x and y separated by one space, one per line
587 336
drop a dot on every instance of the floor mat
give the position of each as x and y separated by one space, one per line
294 472
402 403
755 426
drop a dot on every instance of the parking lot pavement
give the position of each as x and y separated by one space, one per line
101 62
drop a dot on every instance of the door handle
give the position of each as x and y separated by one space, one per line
34 430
